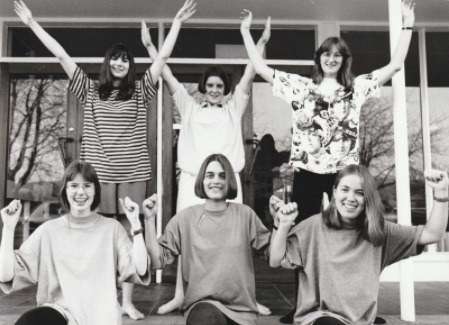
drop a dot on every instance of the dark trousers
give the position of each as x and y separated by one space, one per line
42 316
308 189
207 314
327 321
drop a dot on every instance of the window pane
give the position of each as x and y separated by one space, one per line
283 44
38 106
79 42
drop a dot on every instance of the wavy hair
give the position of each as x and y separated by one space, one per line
345 76
371 221
105 82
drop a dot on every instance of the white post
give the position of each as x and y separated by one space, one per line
402 163
160 189
425 122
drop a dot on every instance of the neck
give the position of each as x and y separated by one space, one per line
348 223
330 79
215 205
81 215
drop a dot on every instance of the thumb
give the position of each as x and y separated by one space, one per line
325 201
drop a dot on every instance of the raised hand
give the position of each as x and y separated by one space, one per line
408 13
23 12
150 207
11 214
266 33
287 214
274 204
145 35
131 209
246 17
186 11
436 179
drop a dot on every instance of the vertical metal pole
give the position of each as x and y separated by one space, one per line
401 163
160 189
425 121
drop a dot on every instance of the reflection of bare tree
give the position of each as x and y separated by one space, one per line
377 142
38 116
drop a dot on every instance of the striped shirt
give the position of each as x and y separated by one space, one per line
115 131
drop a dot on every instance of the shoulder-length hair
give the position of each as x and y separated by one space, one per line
345 76
231 182
105 84
89 174
214 71
371 222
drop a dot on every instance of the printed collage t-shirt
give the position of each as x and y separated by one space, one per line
325 128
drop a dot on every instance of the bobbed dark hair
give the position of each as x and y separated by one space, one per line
231 182
89 174
371 221
214 71
345 76
105 85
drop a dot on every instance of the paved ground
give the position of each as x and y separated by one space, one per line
432 303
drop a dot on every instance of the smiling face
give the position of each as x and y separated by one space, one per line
119 67
80 195
331 62
214 182
349 199
214 90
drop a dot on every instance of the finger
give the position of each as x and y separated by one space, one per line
268 23
122 204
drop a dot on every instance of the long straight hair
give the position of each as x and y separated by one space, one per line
105 82
370 222
345 76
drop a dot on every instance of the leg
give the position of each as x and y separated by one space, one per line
42 316
327 321
205 313
186 198
177 300
136 192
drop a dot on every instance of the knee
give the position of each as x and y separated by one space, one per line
205 313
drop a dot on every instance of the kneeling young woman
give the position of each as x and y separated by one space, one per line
341 252
77 259
216 241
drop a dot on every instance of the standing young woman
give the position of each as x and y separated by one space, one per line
216 240
212 125
115 118
326 110
75 260
341 252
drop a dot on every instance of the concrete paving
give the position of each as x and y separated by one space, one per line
432 303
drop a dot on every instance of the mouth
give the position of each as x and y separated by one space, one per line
80 200
350 207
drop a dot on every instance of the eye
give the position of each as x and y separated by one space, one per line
338 55
220 86
223 176
88 185
360 193
326 54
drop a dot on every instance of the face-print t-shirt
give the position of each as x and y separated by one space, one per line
325 127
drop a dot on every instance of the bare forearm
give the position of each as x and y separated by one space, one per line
435 227
54 47
256 58
152 244
278 246
250 72
140 254
7 255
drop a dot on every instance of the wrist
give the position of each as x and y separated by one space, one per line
441 195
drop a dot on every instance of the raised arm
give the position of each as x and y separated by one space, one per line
50 43
167 75
10 217
435 227
149 211
250 73
286 216
253 53
139 251
400 53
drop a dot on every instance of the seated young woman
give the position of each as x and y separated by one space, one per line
341 252
216 240
77 259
